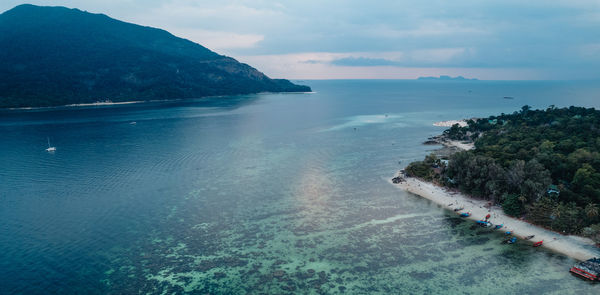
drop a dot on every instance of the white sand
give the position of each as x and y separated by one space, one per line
459 144
573 246
461 123
102 103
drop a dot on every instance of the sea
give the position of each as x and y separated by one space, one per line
259 194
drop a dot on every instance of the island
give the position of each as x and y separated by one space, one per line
535 172
54 56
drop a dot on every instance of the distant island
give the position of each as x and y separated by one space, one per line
446 78
55 56
540 166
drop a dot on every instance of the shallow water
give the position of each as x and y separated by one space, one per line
270 193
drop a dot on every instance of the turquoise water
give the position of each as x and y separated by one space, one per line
269 193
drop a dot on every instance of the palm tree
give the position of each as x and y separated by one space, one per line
591 210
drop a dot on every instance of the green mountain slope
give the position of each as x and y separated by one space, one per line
55 56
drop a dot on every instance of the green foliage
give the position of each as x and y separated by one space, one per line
512 205
55 56
519 155
425 169
456 133
568 218
542 212
592 232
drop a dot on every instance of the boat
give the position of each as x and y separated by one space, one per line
589 269
512 240
498 226
537 244
529 237
484 223
50 148
506 239
465 214
508 233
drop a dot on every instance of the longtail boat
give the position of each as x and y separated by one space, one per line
589 269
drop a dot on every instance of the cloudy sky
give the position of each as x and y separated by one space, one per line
388 39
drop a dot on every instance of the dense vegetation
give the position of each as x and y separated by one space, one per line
56 56
543 165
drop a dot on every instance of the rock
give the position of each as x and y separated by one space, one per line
398 179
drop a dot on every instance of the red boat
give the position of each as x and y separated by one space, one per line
537 244
589 270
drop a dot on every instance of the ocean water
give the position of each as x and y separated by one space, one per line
267 193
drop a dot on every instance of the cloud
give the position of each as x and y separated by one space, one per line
553 39
412 58
364 62
318 65
218 40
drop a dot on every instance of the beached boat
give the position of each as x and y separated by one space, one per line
589 269
484 223
465 214
537 244
529 237
512 240
498 226
458 209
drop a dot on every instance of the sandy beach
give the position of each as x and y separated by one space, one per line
573 246
461 123
459 144
103 103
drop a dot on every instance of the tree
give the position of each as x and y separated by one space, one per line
537 180
512 205
517 156
542 212
591 211
592 232
567 218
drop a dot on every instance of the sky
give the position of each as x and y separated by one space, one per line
383 39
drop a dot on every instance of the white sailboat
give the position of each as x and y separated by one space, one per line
50 148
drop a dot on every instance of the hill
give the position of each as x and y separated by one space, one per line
55 56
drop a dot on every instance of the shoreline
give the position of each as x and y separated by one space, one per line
104 103
450 123
576 247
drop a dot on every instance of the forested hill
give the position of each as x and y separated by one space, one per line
55 56
540 164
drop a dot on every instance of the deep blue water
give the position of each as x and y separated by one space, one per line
267 193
